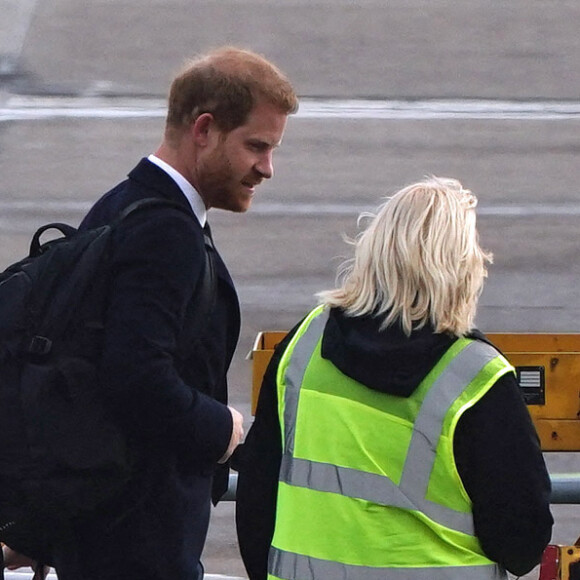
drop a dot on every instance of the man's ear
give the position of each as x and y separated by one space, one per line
202 127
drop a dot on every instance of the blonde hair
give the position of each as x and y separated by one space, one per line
418 261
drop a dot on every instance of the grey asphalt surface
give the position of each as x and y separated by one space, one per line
82 60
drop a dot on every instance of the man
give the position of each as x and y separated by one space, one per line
227 114
391 440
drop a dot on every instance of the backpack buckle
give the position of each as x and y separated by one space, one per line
40 345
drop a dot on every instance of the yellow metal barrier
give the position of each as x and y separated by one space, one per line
262 351
548 370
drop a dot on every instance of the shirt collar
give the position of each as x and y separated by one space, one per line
186 188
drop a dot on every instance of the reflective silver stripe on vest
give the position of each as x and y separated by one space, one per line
295 374
411 492
378 489
288 565
343 480
429 422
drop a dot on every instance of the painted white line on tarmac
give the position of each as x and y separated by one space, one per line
473 109
26 217
317 209
25 575
22 108
25 208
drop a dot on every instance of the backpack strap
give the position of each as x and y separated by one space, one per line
204 297
149 202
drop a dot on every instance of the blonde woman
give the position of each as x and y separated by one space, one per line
390 440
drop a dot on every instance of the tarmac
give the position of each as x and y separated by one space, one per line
391 91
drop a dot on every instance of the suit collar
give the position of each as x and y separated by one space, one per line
153 177
190 193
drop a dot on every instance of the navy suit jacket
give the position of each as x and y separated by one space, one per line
173 406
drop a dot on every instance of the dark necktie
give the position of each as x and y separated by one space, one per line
207 236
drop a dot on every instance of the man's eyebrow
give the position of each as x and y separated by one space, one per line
264 142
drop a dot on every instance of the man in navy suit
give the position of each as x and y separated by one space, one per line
227 113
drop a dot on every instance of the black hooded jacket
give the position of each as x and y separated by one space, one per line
496 447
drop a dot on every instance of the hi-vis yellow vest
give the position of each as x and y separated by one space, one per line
368 486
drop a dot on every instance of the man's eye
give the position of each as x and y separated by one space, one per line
259 147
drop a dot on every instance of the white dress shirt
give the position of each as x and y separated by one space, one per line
186 188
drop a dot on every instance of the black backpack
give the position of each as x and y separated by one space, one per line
61 454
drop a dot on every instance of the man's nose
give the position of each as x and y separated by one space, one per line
265 166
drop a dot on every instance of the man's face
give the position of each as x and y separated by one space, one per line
234 163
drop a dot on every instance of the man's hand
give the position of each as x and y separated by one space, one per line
237 434
14 560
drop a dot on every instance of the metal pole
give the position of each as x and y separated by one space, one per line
230 494
565 488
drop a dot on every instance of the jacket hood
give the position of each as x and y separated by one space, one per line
383 360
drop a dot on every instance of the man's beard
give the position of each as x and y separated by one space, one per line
216 180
